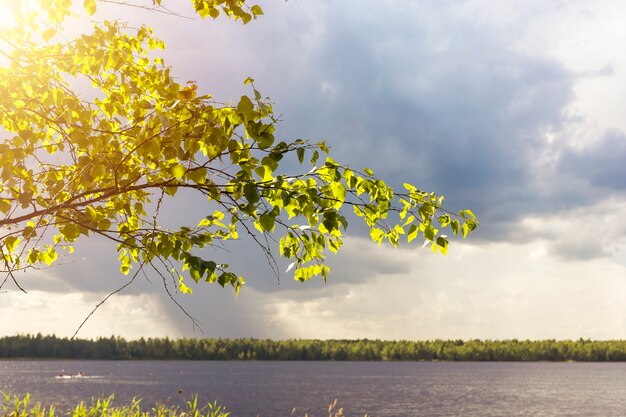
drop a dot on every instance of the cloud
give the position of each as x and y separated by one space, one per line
255 312
447 96
456 97
495 291
455 106
478 101
455 100
582 233
439 100
61 314
600 163
490 291
357 263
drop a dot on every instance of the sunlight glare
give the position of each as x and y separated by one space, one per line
7 18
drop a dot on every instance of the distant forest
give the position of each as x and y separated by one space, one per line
52 347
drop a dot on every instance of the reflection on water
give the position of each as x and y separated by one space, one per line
272 389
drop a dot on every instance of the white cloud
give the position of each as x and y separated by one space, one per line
61 314
581 233
495 291
586 37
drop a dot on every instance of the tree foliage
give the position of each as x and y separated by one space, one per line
27 346
98 135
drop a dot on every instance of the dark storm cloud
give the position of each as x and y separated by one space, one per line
602 164
432 98
446 106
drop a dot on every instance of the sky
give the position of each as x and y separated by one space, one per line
512 109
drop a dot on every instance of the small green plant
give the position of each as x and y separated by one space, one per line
16 406
333 411
209 410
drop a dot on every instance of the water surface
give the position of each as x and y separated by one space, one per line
385 389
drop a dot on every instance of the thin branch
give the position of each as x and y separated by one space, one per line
194 321
10 272
269 256
157 9
120 289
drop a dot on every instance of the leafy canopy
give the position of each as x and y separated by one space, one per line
103 160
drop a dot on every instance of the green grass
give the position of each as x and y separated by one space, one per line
16 406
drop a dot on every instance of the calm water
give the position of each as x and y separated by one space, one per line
272 389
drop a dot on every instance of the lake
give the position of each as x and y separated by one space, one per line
384 389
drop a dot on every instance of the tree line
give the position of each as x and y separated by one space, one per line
117 348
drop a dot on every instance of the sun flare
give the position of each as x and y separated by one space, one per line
7 17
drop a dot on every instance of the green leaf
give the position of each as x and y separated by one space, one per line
10 243
245 105
50 256
25 198
29 231
267 221
145 104
315 157
465 230
48 34
195 274
430 232
265 140
178 171
5 206
238 284
442 243
444 220
225 278
197 175
413 232
251 192
456 226
183 288
377 235
90 6
34 256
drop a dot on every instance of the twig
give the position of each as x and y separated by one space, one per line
10 273
106 298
